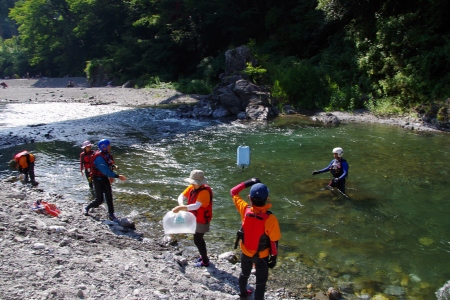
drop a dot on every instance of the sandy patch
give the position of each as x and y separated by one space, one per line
56 90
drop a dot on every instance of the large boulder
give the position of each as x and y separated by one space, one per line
327 118
235 95
227 97
236 60
248 91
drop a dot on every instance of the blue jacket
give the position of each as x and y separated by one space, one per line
341 163
103 167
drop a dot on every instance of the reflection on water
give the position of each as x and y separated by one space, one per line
390 237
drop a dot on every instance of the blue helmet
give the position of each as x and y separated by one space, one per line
258 194
103 144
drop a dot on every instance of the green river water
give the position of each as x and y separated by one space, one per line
391 237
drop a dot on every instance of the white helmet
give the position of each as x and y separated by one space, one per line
339 151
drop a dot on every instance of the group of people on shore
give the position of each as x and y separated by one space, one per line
260 230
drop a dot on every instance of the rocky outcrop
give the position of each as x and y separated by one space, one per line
235 96
437 115
236 60
363 116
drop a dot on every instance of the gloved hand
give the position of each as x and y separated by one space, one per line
335 180
272 261
315 172
251 182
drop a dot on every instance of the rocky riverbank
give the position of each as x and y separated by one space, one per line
55 90
73 256
363 116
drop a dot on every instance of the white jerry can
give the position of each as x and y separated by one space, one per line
180 222
243 156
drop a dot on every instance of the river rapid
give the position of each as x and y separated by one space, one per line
391 237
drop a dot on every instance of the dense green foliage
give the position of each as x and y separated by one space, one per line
328 54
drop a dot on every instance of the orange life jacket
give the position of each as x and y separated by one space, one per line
28 155
203 214
46 208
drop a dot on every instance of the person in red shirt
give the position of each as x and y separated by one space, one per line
199 198
85 162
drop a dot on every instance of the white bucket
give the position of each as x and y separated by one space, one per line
243 156
180 222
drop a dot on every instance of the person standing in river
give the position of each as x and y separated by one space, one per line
199 198
259 236
24 161
338 168
102 174
85 163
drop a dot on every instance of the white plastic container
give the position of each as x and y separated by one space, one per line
243 156
180 222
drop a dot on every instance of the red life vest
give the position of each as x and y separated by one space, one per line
203 214
254 226
95 173
85 158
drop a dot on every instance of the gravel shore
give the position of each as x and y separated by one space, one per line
73 256
56 90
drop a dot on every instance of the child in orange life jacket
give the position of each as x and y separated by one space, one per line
24 161
199 198
260 236
85 162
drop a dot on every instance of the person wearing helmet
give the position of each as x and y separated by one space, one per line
338 168
24 161
259 236
85 162
102 174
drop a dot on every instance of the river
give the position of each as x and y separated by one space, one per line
390 237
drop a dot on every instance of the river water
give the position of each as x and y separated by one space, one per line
390 237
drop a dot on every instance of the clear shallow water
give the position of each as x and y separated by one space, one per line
391 237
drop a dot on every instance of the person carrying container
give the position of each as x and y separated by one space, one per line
24 161
102 174
85 162
199 198
258 236
338 168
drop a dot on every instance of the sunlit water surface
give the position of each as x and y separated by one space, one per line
390 237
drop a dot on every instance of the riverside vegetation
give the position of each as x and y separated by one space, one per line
390 57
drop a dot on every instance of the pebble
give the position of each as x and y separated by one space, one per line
39 246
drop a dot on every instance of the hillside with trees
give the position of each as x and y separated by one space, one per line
387 56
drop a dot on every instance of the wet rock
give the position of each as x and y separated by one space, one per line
333 294
327 118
